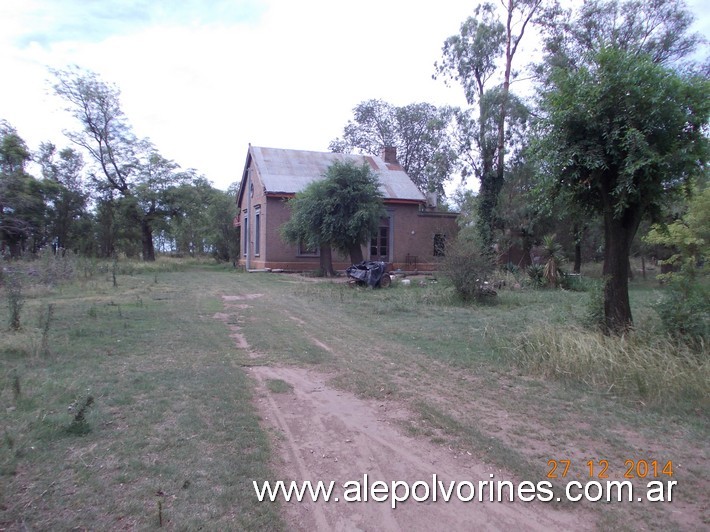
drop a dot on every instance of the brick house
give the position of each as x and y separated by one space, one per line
410 237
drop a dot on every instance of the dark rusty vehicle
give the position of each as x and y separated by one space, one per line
369 273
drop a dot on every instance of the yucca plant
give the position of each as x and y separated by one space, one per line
554 258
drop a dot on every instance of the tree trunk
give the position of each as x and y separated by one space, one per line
326 261
618 236
356 254
147 241
577 249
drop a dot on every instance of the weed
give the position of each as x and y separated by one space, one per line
114 270
536 275
16 387
15 299
649 367
45 323
79 408
594 313
278 386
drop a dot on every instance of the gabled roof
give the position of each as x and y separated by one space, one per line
287 172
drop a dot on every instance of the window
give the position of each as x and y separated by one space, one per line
439 245
246 233
257 231
304 250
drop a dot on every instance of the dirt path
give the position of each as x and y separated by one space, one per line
324 434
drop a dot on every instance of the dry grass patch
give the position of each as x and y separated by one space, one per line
652 368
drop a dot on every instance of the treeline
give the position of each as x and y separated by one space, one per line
125 199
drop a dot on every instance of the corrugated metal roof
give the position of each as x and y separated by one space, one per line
290 171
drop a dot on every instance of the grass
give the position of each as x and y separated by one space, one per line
169 424
278 386
460 370
171 433
654 369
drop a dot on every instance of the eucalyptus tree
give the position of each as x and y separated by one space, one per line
474 58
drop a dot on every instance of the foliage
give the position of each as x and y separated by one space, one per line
15 299
469 270
655 28
22 206
341 210
421 133
134 180
622 134
685 311
536 274
553 259
67 197
688 236
594 309
471 58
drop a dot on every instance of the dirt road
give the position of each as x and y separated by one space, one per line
325 434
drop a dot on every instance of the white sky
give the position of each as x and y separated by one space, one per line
204 78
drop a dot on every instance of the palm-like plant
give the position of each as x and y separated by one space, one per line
554 258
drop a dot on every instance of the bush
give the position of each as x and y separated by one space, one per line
469 270
685 311
594 315
536 275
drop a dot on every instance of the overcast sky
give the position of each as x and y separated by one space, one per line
204 78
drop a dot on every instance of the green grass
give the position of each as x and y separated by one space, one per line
278 386
172 424
171 419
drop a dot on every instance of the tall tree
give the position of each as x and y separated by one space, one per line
473 59
622 134
131 168
421 132
659 29
67 197
601 37
154 194
21 196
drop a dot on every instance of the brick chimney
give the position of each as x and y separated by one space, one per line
389 154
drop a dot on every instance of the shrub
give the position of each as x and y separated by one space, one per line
685 311
536 275
554 258
15 300
594 315
469 270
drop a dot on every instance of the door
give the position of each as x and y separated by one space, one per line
380 242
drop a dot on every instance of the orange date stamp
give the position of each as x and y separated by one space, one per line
601 469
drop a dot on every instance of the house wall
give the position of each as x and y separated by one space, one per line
411 234
251 203
414 232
